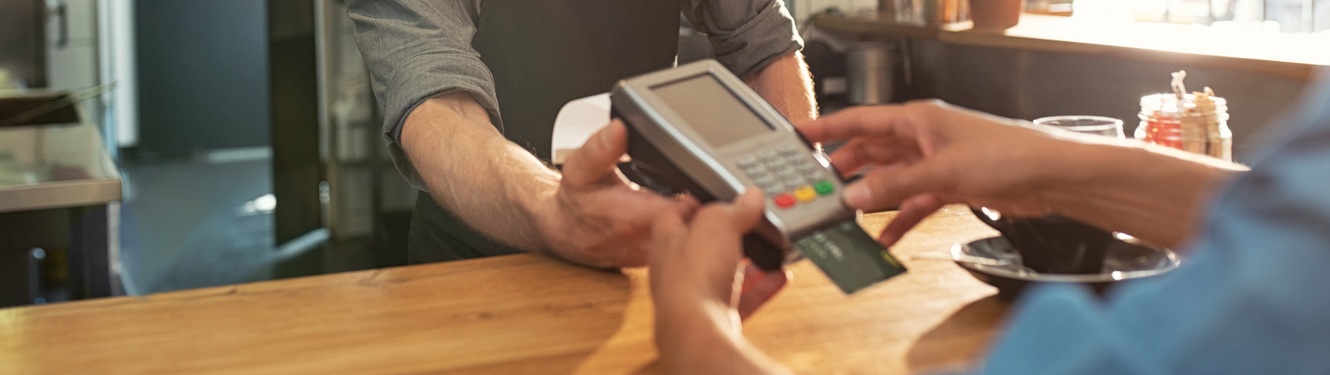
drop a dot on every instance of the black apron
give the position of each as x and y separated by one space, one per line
544 53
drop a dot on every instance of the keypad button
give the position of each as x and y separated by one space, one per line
788 150
747 162
764 181
824 187
766 156
784 200
787 175
807 167
755 172
805 193
775 164
772 193
804 180
815 177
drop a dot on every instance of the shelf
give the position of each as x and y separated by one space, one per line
1295 56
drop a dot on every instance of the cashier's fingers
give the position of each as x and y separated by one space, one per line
594 162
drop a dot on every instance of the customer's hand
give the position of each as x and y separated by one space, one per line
597 217
700 294
926 154
698 262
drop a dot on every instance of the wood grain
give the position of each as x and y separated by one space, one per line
520 314
1284 55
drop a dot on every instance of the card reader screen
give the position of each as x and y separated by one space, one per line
711 110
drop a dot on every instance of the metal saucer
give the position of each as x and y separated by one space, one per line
994 261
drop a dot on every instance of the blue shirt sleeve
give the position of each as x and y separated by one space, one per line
1253 299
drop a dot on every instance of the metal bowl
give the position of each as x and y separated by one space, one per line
994 261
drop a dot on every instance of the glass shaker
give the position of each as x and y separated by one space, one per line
1199 125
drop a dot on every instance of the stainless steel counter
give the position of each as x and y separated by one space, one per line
54 166
56 185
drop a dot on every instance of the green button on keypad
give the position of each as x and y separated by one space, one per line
824 187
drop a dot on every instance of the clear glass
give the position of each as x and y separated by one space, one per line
1097 125
1162 124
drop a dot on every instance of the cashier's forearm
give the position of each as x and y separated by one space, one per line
471 169
786 84
1154 194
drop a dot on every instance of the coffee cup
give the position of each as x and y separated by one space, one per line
1052 244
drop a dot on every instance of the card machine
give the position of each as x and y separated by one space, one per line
699 129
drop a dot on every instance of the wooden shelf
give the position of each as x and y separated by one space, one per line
1287 55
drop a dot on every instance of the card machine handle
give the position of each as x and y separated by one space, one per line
650 169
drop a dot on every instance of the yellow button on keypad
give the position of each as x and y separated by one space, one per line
805 193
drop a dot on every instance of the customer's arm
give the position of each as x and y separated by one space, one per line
927 154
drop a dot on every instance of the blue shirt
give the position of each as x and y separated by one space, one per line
1253 298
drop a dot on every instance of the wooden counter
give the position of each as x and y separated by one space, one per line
519 314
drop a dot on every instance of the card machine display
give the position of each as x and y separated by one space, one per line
699 129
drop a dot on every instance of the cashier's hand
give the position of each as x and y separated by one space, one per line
926 154
598 218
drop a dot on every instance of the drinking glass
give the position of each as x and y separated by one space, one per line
1098 125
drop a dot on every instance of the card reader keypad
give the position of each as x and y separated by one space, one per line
787 175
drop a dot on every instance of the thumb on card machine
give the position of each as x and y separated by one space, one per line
699 129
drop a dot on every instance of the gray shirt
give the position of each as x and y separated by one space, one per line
418 49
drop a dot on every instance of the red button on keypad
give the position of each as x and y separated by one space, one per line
784 200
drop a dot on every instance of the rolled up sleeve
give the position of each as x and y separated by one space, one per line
416 50
746 35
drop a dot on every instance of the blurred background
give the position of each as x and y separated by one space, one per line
158 145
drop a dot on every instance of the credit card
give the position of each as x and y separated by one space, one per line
848 256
